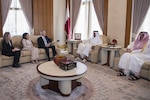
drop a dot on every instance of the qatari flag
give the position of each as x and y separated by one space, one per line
67 23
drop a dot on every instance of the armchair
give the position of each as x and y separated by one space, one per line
145 70
95 54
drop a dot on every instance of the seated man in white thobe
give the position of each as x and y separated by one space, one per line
137 53
84 48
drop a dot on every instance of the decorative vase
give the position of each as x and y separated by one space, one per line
114 41
59 59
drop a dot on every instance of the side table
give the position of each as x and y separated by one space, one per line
72 45
114 52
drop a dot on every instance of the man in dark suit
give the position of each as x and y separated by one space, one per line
46 43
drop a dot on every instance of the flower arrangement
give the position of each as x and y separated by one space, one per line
58 59
64 63
113 42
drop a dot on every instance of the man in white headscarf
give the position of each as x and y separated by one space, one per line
84 48
137 53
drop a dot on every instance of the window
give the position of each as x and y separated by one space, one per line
16 22
87 20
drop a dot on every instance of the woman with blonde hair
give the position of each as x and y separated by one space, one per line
27 45
9 50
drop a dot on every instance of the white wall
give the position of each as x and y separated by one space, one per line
59 7
117 20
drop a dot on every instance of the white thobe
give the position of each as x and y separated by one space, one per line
85 48
133 61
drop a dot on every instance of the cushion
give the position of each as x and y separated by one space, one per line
18 44
6 57
17 38
35 44
146 66
42 51
25 53
34 38
144 74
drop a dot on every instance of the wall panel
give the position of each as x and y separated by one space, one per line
59 16
43 16
116 26
128 23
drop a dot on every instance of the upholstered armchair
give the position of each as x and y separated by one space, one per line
95 55
145 71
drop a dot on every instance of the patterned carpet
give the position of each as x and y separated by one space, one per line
83 92
14 84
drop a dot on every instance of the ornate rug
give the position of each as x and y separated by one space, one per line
83 92
15 83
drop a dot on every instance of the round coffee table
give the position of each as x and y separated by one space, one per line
56 79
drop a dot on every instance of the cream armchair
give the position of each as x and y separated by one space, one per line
145 71
95 55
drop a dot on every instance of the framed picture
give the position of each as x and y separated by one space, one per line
77 36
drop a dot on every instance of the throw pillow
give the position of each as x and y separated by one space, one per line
18 45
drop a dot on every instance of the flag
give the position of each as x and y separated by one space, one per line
67 23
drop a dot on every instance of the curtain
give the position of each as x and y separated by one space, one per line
139 13
99 9
27 9
5 5
75 10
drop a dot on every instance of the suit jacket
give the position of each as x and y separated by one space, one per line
41 42
7 48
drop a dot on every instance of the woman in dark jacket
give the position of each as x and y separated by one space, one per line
9 50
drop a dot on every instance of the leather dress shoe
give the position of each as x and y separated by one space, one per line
19 65
49 59
16 65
